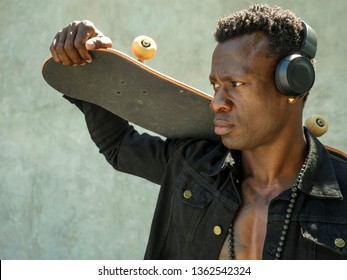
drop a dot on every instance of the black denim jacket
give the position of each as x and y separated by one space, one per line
200 190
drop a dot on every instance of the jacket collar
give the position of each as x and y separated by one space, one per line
319 178
232 160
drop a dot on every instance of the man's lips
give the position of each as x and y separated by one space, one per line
222 127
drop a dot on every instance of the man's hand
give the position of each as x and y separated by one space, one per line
71 44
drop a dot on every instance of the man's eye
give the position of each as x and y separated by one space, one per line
215 86
236 84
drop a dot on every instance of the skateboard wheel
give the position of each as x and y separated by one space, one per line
144 47
317 125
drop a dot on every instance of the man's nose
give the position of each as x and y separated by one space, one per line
220 103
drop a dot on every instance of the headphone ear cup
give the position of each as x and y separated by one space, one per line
294 75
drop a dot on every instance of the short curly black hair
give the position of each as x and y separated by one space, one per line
284 29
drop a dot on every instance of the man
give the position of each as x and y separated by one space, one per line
268 189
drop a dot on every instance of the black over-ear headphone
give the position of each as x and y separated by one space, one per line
295 73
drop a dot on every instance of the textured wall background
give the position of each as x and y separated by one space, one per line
59 199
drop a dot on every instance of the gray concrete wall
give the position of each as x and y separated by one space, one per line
59 199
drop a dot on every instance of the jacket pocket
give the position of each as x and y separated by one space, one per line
192 190
329 239
190 209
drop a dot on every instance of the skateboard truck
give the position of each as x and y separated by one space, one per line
317 125
144 48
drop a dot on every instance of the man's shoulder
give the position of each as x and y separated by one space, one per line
337 154
198 152
339 162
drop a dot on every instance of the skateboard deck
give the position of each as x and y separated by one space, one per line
135 92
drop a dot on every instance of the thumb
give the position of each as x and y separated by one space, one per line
101 42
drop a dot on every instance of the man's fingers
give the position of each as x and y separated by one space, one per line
60 49
54 50
86 30
99 43
71 44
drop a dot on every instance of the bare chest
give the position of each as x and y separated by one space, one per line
249 229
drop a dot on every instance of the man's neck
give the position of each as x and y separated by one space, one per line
275 166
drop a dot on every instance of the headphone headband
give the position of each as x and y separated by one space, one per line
309 44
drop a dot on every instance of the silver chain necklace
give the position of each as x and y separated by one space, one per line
286 221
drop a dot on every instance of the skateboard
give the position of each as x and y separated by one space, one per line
132 90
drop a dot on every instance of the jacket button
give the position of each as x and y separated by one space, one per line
187 194
217 230
339 243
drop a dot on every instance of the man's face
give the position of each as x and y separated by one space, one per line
249 110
